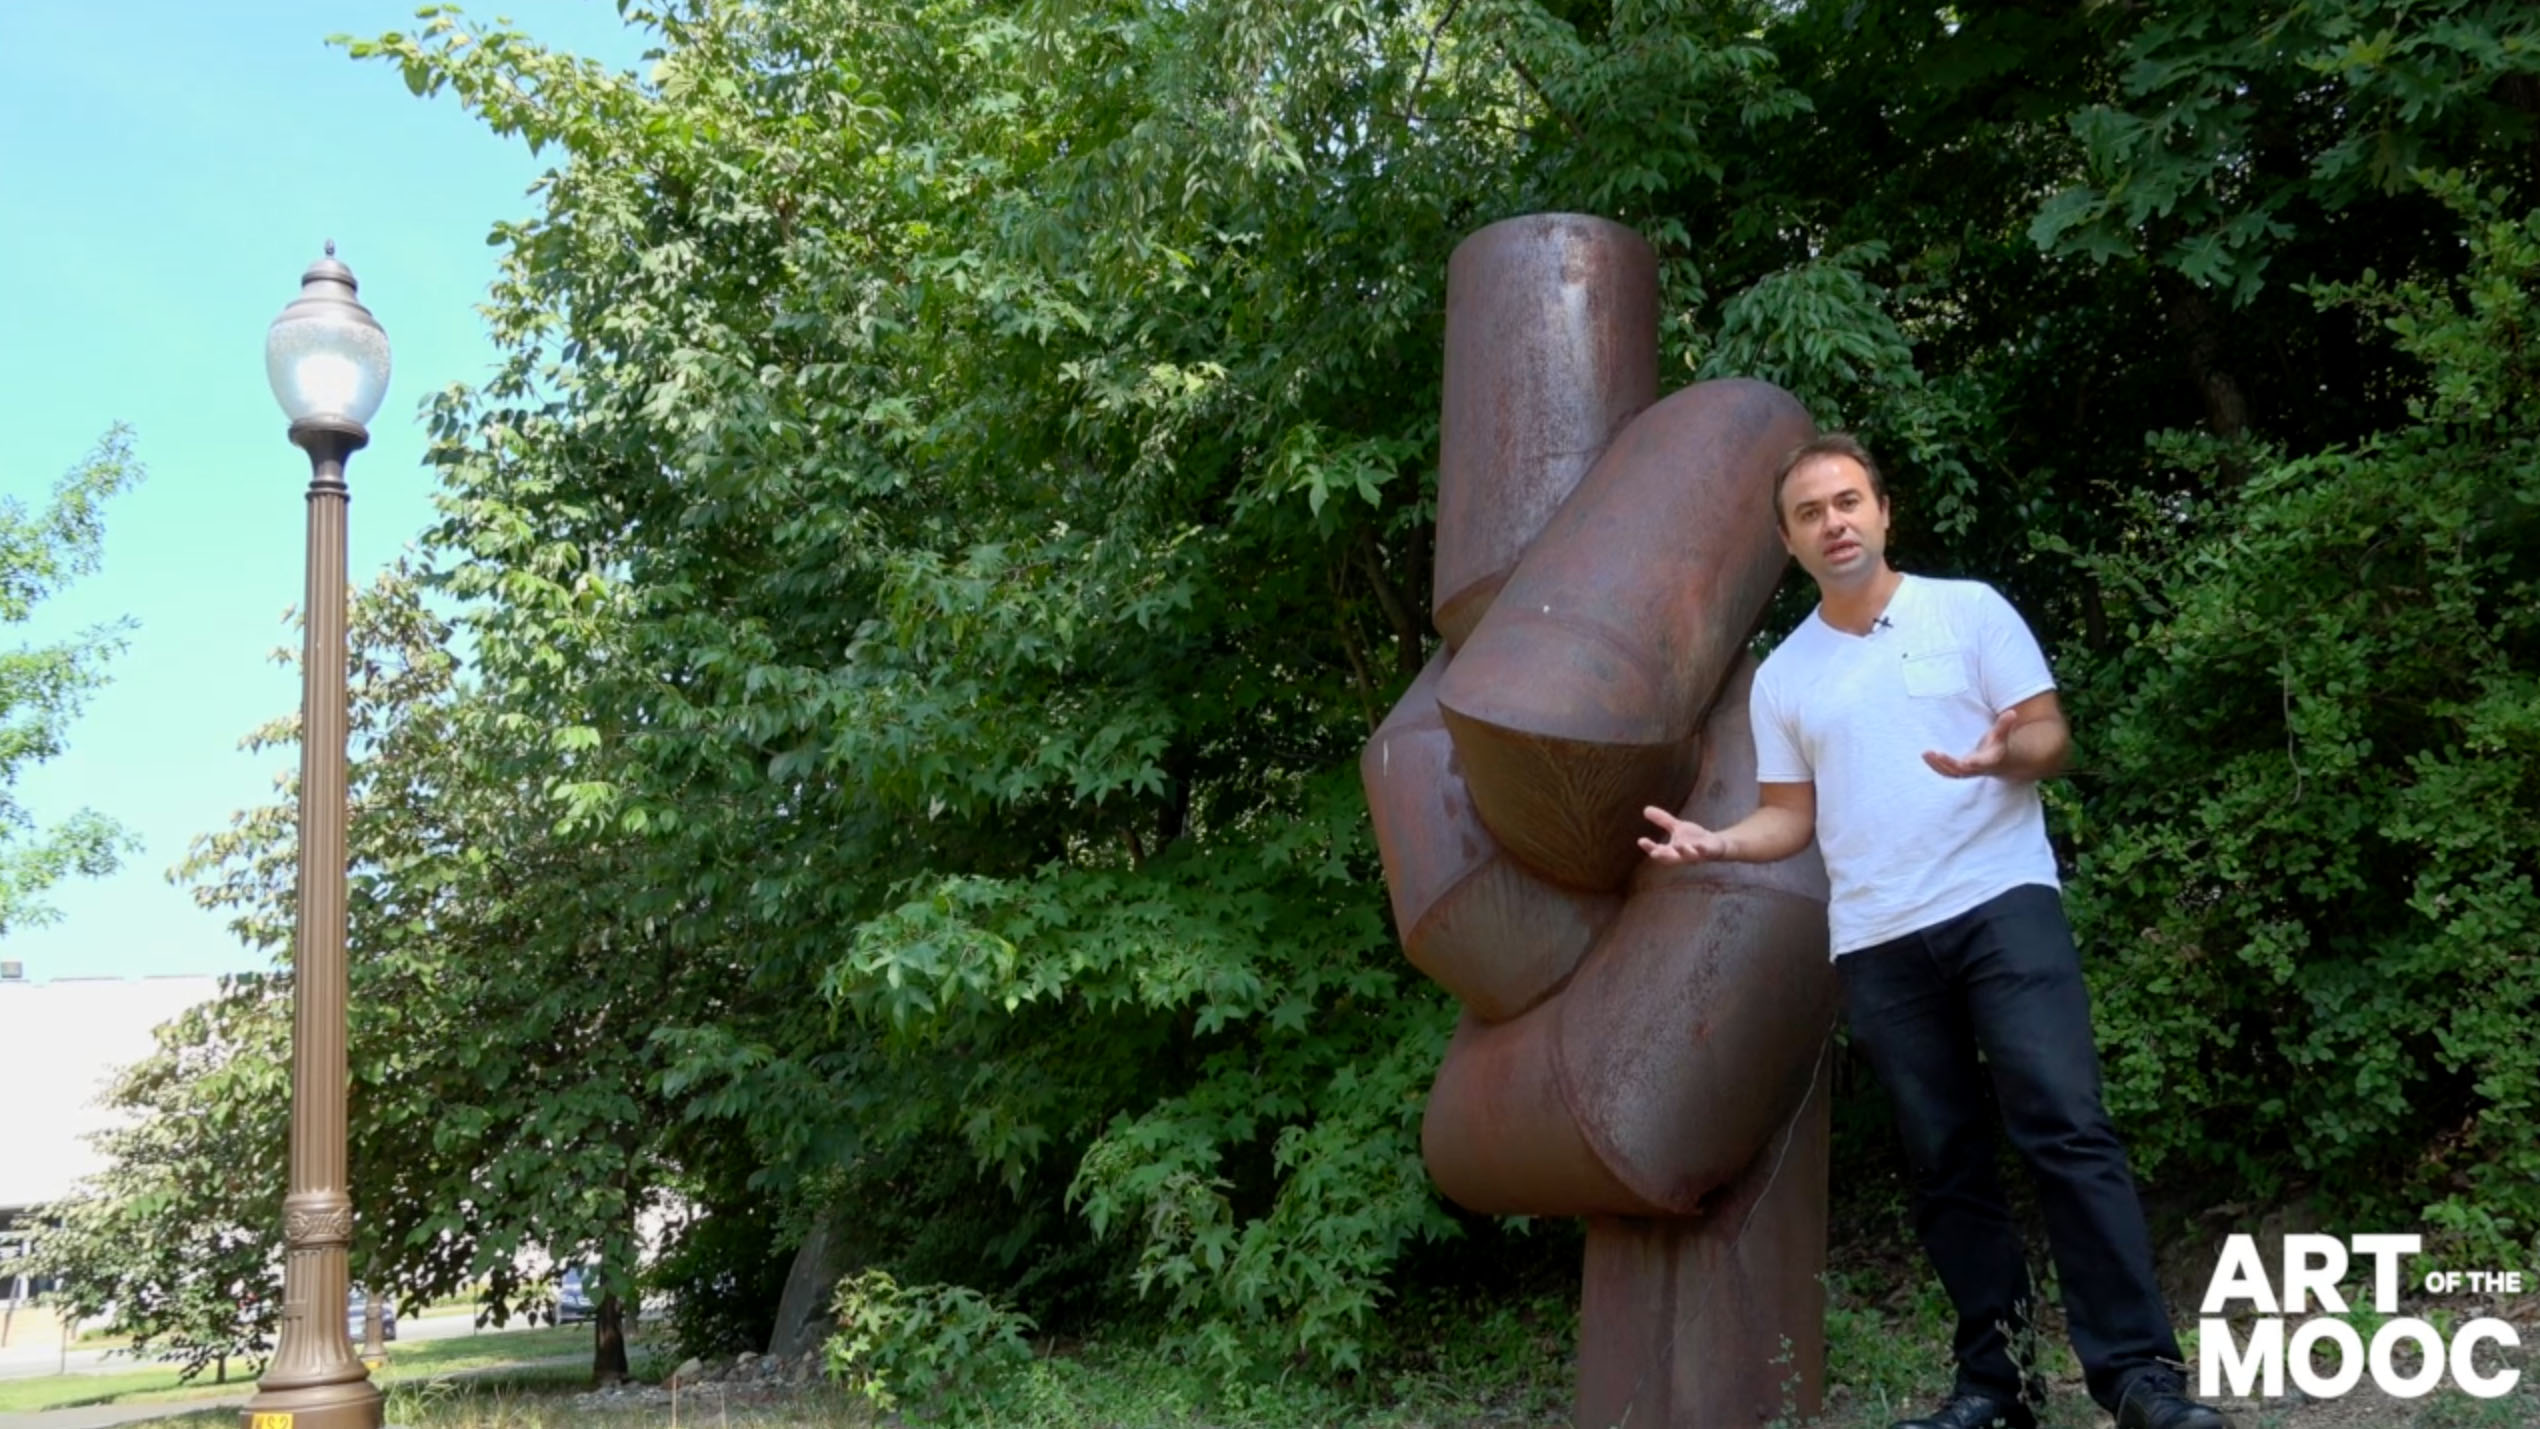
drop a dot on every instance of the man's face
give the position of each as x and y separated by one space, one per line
1834 527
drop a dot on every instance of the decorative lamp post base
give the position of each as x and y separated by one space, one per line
322 1406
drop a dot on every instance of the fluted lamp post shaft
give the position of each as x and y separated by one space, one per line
328 361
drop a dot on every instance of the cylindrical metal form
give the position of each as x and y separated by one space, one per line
1715 1322
1471 917
1499 1137
315 1380
1693 1028
1573 704
1551 346
1681 1055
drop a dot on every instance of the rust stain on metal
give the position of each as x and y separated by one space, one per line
1551 346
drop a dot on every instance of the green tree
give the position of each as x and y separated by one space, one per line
499 996
42 687
497 1116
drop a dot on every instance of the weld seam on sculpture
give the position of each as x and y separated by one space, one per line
1786 1136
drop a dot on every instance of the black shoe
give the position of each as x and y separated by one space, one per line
2158 1402
1974 1411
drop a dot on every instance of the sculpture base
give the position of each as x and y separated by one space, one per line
1717 1322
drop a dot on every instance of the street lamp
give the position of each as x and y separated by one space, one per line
328 361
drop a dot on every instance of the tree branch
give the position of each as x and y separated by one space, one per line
1349 647
2200 336
1536 85
1406 626
1411 101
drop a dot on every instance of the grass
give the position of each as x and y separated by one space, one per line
556 1411
61 1391
522 1359
1508 1365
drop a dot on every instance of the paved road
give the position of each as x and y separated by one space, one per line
105 1416
34 1361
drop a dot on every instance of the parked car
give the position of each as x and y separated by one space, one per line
573 1297
357 1308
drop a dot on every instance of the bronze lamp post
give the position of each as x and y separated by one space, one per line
328 361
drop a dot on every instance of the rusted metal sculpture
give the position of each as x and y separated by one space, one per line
1641 1045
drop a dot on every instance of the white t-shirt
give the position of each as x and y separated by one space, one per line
1905 846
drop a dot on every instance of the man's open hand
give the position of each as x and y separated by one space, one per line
1686 842
1985 758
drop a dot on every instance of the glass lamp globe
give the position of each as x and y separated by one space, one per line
326 356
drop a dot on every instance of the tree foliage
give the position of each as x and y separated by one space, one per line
496 1132
2322 751
43 686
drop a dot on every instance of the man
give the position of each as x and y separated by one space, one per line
1949 936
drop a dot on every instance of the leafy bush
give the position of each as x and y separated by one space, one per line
926 1345
2307 850
1220 1041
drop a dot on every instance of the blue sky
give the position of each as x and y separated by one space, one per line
166 172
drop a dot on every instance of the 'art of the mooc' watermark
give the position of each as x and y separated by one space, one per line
2313 1267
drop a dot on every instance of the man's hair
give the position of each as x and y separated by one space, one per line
1842 444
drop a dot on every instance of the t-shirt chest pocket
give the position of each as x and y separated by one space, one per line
1936 672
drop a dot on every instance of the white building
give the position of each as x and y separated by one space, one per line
64 1041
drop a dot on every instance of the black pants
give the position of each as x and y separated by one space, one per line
2005 978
